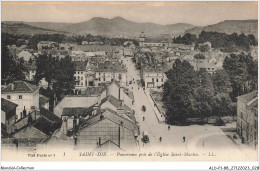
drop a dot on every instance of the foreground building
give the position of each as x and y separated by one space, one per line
24 94
247 118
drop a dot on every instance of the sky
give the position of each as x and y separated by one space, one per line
196 13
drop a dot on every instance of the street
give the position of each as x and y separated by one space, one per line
197 137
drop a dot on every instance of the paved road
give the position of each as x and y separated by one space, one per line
171 139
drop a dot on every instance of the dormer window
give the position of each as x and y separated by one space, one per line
20 97
8 97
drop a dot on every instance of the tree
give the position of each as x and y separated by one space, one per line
178 92
199 56
221 82
242 71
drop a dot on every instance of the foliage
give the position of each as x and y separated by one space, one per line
11 69
187 39
221 82
195 94
228 43
242 71
59 72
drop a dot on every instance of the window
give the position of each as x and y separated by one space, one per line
8 97
162 79
81 78
81 72
81 83
104 79
78 77
20 97
152 79
98 79
99 73
157 80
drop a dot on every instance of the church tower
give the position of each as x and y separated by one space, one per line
141 39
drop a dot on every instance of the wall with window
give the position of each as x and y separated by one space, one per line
28 100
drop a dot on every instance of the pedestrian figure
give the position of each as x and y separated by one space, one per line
183 139
138 88
161 116
169 127
143 118
160 139
203 144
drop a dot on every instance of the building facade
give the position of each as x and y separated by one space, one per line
247 118
24 94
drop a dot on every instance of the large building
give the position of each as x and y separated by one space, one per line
24 94
153 76
109 71
247 118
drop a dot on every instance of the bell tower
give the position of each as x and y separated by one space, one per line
141 39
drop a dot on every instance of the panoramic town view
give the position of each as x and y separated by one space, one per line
114 84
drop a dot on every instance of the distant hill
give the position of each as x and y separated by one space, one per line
49 25
229 27
21 28
119 26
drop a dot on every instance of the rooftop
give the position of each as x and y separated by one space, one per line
43 99
8 106
49 115
74 111
111 66
247 98
93 91
80 65
20 87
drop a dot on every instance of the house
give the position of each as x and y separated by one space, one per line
44 102
46 45
108 125
24 94
37 131
247 118
109 71
88 97
153 76
25 55
79 75
8 115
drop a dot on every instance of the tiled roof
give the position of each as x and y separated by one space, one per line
111 115
49 115
94 48
20 87
8 106
73 111
109 66
42 100
246 98
117 104
92 91
45 126
80 65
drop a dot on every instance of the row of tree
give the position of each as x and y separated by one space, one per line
225 42
33 40
196 94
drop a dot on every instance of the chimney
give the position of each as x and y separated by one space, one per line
99 141
120 110
74 124
65 126
24 112
121 93
12 86
95 108
99 99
